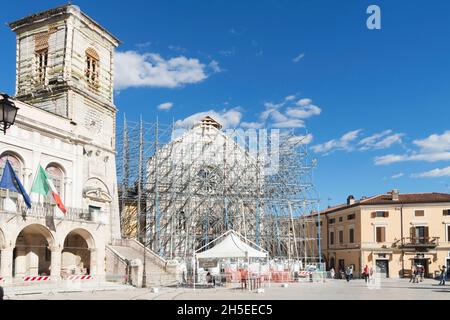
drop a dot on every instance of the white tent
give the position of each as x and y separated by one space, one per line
232 246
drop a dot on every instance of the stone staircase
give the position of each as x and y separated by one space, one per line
158 271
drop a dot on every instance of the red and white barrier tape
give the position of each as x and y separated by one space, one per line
304 273
36 278
80 277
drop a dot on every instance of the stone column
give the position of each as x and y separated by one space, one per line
94 261
6 264
55 271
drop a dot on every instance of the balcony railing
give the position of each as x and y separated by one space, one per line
45 210
418 242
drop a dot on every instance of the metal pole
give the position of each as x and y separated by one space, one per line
140 181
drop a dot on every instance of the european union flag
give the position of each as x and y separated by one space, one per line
11 182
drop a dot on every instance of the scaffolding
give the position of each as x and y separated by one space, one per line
180 188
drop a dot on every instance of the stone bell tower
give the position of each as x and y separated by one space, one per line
65 66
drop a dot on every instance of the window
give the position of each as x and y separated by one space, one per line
419 213
332 221
341 236
56 175
15 163
331 238
419 234
341 219
381 234
448 232
380 214
351 235
41 58
446 212
317 224
351 217
92 67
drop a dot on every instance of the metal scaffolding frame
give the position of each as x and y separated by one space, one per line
180 188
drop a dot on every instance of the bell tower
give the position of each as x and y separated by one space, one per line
63 57
65 66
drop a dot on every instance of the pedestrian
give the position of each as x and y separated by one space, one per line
443 276
332 273
347 274
366 273
422 272
371 274
416 274
413 274
351 272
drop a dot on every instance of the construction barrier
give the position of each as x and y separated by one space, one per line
72 278
36 278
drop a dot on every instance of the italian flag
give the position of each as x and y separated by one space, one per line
43 185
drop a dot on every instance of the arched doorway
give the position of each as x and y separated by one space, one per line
76 254
31 255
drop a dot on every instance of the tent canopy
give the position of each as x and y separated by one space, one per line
231 246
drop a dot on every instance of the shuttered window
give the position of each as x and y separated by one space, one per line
351 235
381 234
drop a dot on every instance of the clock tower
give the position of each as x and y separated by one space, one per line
65 66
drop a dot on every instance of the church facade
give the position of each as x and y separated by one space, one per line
66 124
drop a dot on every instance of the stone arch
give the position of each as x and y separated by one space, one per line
17 160
76 258
32 255
92 53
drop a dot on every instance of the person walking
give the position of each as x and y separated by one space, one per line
332 273
347 274
413 274
443 276
416 274
366 273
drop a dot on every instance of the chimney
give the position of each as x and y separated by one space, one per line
395 194
350 200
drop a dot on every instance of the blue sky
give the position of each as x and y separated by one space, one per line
377 102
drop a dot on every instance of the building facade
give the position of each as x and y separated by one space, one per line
390 232
66 124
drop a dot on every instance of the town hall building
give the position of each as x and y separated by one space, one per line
66 124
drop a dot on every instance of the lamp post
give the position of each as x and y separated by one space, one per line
8 112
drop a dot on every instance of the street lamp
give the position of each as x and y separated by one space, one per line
8 112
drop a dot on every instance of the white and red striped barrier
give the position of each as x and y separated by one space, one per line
304 273
36 278
80 277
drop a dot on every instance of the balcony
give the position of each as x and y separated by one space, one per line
46 210
417 243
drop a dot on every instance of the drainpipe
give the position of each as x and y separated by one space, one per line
402 242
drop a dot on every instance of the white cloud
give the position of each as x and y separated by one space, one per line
289 123
432 149
289 98
398 175
304 112
252 125
435 173
227 118
133 69
304 102
298 58
165 106
343 143
214 66
435 142
426 157
382 140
